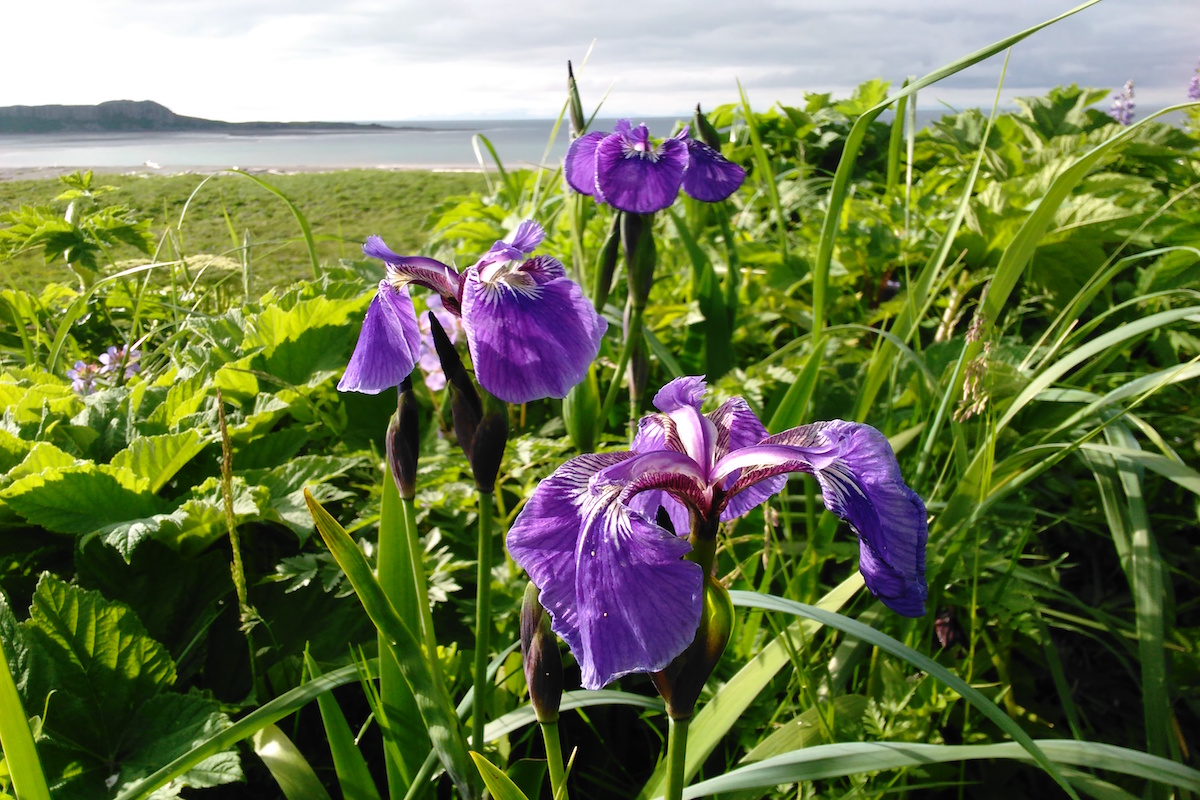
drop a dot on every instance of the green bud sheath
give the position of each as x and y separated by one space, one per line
541 658
682 681
403 440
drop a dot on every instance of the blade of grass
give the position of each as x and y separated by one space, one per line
445 730
287 764
20 754
851 758
354 777
919 660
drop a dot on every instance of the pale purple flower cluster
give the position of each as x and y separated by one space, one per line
629 172
1193 92
1122 105
530 331
115 356
614 580
83 377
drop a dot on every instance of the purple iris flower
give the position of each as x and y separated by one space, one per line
531 332
614 580
430 364
631 173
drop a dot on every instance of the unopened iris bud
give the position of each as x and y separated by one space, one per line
482 431
541 658
640 255
487 448
705 132
682 681
403 440
578 121
606 264
581 412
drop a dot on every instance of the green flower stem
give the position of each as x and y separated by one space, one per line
631 336
558 777
419 582
483 619
677 731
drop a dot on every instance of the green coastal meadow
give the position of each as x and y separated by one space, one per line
213 585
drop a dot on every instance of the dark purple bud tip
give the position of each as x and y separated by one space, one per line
403 440
541 658
487 447
682 681
465 408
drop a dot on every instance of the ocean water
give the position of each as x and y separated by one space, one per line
446 145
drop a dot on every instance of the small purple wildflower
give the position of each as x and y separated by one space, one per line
1122 105
83 377
115 355
1193 92
614 580
628 171
531 332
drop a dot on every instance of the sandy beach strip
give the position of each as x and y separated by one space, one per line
43 173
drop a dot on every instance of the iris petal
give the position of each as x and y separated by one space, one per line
710 177
737 427
388 344
593 558
861 483
580 164
639 181
532 334
427 272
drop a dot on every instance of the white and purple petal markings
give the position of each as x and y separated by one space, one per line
615 582
530 331
630 172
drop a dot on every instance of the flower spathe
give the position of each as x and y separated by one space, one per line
631 173
614 581
531 332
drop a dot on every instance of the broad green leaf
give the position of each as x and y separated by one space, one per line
184 398
41 457
105 685
81 499
287 764
158 458
13 450
268 713
499 784
852 758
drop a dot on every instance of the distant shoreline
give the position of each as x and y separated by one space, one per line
49 173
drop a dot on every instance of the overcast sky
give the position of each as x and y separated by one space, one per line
438 59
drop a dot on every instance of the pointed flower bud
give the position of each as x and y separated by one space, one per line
481 426
578 120
682 681
705 132
542 660
641 256
581 413
403 440
606 263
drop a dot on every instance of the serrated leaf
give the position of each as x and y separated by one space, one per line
126 535
41 456
158 458
13 450
82 498
111 718
183 399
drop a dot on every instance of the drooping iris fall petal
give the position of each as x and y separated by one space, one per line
593 561
388 344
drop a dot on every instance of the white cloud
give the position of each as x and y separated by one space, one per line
372 59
